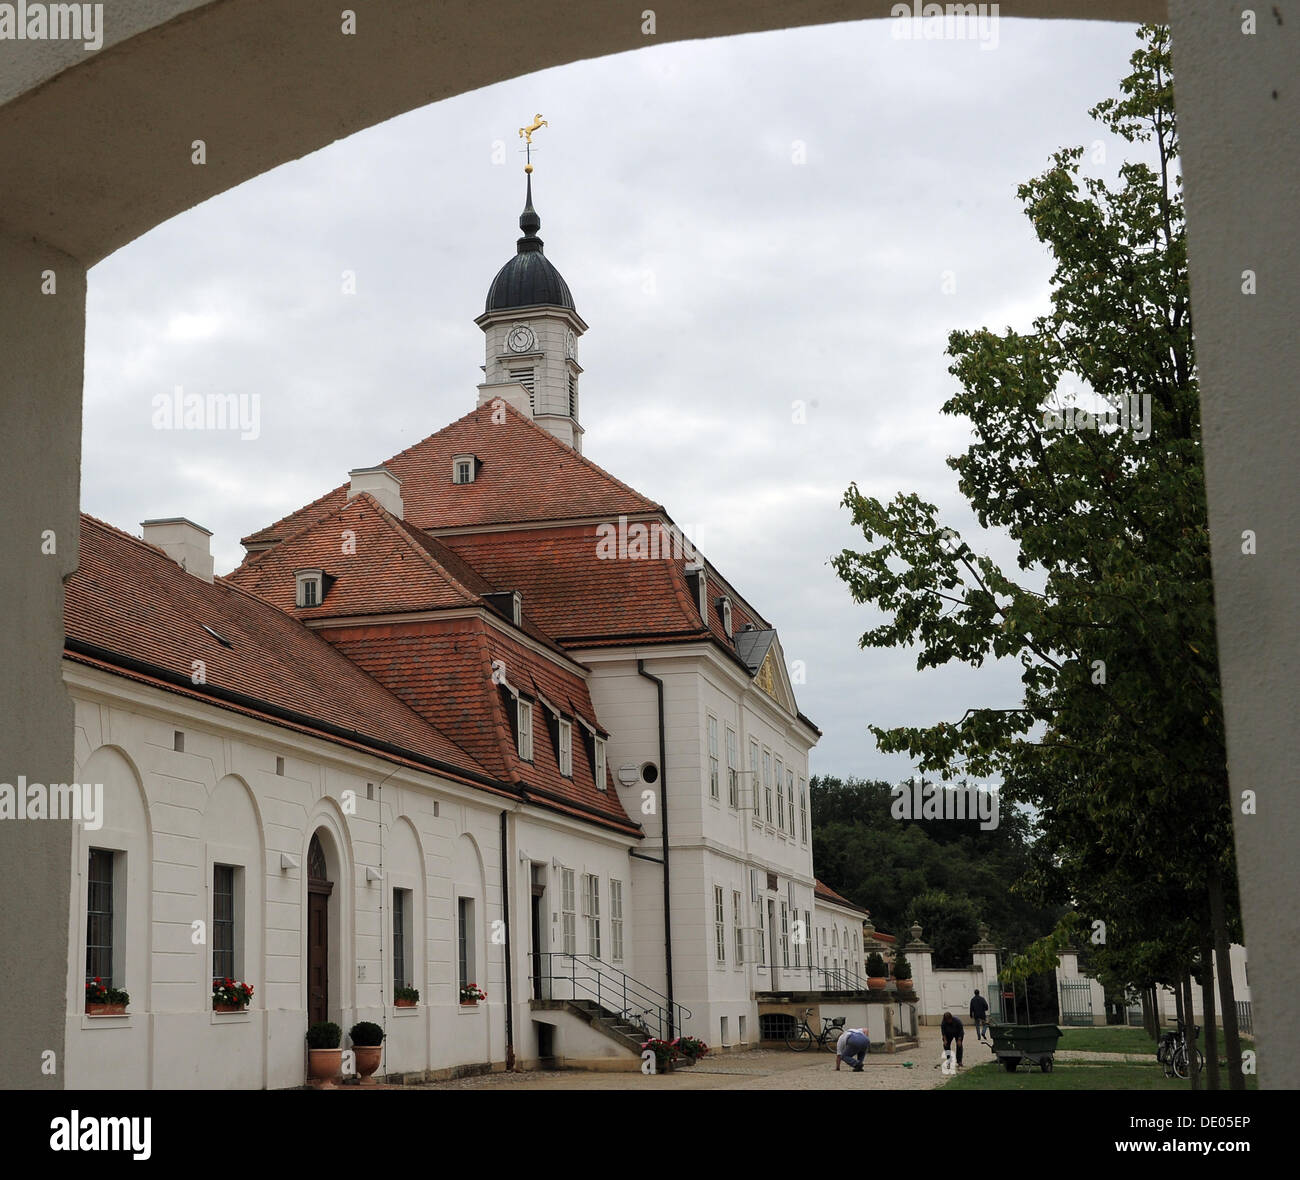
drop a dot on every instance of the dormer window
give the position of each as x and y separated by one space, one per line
600 763
524 719
725 604
310 587
700 584
566 748
464 468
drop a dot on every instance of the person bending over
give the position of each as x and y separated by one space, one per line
852 1047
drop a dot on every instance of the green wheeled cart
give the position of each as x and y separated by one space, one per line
1013 1044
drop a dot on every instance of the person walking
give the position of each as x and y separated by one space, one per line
952 1029
979 1012
852 1047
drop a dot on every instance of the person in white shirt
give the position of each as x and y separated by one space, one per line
852 1047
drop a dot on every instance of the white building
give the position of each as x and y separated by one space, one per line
431 734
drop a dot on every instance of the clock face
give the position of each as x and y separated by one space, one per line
570 345
521 338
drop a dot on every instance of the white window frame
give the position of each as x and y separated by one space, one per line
753 775
600 772
737 925
767 784
568 913
591 909
780 793
785 935
789 798
713 756
566 748
733 779
616 920
524 720
719 928
803 812
726 615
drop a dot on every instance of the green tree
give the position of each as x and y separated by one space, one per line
1119 743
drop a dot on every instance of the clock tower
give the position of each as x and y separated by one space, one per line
531 331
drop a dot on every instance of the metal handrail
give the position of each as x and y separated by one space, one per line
829 979
613 986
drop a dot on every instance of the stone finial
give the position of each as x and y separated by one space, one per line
983 929
915 932
868 929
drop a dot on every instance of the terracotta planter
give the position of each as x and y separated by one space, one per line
469 1003
876 983
324 1065
218 1006
93 1009
403 1003
903 985
367 1061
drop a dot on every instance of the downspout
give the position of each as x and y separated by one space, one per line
663 821
510 963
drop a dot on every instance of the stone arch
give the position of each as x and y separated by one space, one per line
234 838
404 869
124 829
327 827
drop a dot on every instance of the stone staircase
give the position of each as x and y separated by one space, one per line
623 1032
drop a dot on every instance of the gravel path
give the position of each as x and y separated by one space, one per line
759 1069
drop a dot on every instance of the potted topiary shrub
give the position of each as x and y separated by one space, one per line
102 1000
876 971
367 1043
405 997
902 972
325 1057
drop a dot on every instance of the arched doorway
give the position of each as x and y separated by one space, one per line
319 889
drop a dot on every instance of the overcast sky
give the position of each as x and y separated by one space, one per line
744 223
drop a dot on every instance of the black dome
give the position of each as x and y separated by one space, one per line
529 278
526 280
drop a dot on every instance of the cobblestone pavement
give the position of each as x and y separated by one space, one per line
759 1069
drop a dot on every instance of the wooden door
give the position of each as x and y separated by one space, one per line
318 935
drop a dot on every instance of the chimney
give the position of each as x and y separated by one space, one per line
380 483
186 543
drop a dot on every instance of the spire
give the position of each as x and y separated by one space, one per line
529 222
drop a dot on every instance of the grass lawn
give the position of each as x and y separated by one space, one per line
1073 1076
1117 1039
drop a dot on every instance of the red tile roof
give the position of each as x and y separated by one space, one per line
826 893
444 669
525 474
128 599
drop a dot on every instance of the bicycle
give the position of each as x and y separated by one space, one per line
803 1037
1172 1052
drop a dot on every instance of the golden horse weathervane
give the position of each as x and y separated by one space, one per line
526 134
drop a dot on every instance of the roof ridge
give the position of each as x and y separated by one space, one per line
653 507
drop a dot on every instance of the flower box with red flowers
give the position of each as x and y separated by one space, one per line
229 995
105 1000
471 994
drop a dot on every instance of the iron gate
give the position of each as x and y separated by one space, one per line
1076 1001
